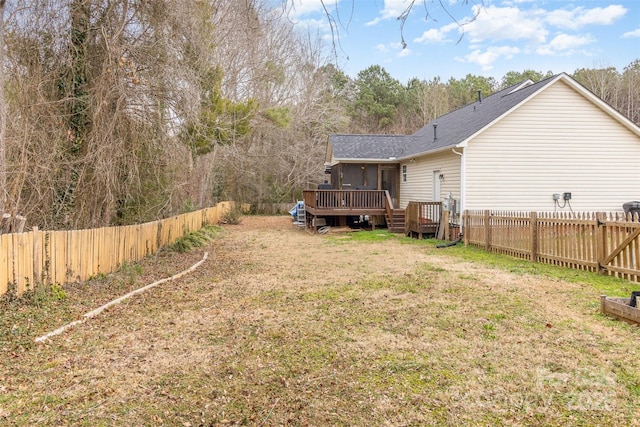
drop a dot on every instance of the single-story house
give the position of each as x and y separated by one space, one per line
546 146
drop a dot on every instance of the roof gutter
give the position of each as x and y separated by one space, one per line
424 153
391 159
364 160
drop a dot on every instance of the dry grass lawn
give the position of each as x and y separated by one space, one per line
281 327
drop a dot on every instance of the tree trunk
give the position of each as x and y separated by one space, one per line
3 117
80 16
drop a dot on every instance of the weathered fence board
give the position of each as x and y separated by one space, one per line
594 241
67 256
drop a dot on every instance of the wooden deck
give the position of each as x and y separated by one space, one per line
345 202
423 219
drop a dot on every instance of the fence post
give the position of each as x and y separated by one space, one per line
601 241
159 241
466 223
443 230
487 230
534 236
36 257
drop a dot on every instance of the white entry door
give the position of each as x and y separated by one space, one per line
436 186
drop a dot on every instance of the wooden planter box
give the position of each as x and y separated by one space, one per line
620 308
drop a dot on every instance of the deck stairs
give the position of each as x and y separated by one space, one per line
395 224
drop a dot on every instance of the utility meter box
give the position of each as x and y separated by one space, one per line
450 205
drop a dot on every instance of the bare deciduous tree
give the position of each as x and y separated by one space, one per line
115 112
3 115
101 85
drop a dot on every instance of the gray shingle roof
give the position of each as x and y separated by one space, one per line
373 146
452 128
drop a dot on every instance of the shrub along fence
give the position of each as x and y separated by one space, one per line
607 243
71 256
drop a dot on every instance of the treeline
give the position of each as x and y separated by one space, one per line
378 103
122 111
118 112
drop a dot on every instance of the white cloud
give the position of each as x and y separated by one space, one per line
487 58
392 10
530 28
321 24
580 17
431 36
401 51
564 44
632 34
404 52
512 2
394 47
513 23
435 35
374 22
561 18
311 14
506 23
603 16
501 30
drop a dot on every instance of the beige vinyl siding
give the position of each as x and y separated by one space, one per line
419 185
557 142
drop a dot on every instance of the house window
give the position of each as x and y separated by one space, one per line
404 173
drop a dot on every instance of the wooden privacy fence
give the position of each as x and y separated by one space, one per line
71 256
596 241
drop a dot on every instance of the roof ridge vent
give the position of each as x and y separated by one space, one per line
522 85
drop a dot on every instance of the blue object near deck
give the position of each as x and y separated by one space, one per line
294 210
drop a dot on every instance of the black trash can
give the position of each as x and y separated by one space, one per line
632 208
632 301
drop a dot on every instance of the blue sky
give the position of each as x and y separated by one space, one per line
506 35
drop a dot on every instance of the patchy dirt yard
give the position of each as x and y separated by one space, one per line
282 327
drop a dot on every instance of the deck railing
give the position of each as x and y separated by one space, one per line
345 199
389 207
423 217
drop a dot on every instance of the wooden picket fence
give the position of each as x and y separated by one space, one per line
60 257
607 243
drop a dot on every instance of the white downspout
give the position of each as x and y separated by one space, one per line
462 180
